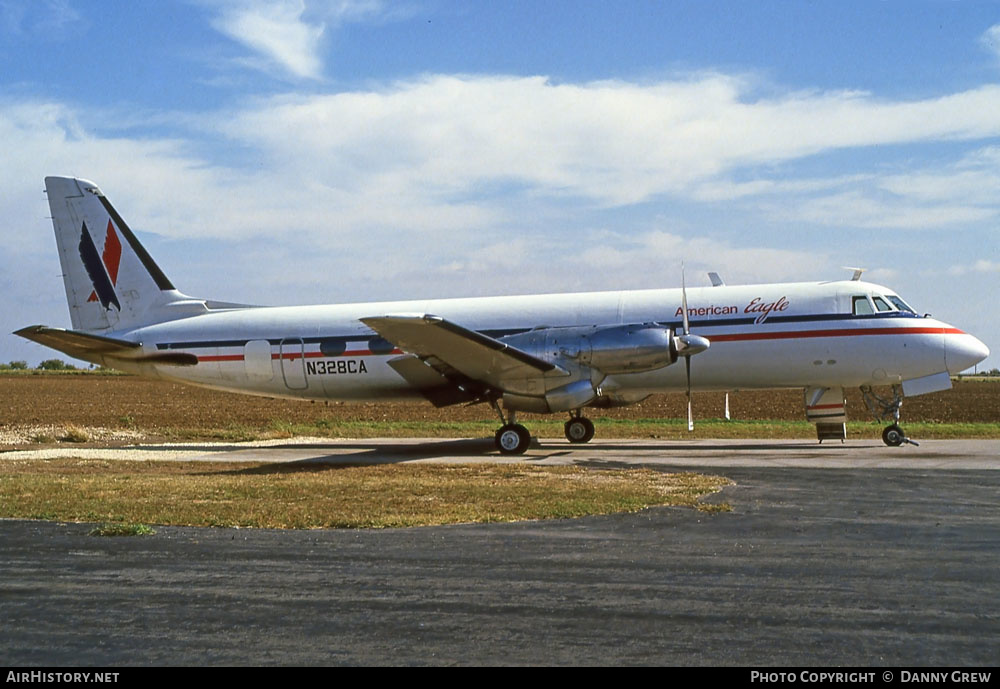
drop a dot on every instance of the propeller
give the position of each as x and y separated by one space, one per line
688 345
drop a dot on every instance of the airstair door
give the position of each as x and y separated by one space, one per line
293 363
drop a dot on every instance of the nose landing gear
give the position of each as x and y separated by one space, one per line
883 408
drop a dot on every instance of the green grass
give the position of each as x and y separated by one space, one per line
125 494
122 529
668 429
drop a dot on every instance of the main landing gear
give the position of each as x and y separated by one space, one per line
579 429
513 439
884 408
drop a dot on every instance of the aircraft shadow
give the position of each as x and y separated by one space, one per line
341 455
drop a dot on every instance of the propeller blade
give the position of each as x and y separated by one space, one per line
688 344
687 369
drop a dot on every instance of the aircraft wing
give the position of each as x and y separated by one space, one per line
449 349
97 348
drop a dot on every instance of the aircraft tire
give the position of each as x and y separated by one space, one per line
893 435
512 439
579 430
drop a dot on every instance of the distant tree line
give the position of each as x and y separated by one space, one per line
47 365
991 372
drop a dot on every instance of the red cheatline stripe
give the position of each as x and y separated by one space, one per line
851 332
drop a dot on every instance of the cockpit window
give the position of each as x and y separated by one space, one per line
900 304
881 304
861 306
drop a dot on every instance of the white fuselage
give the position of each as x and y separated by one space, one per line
762 336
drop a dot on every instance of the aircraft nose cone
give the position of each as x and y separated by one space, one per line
963 351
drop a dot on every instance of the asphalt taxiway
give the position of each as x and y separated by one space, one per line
849 554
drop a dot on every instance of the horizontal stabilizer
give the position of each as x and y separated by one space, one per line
477 356
97 347
76 343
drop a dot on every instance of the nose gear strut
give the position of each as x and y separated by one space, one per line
883 408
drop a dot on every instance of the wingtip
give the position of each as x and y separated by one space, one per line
30 330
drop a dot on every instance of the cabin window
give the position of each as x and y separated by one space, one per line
380 345
861 306
333 347
900 304
881 304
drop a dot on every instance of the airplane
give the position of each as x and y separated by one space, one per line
549 353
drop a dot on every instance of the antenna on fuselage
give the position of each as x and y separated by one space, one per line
857 272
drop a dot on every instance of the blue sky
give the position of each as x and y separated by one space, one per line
307 152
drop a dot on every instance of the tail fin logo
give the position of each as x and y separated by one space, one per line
102 269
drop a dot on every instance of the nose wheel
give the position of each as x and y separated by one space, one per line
893 436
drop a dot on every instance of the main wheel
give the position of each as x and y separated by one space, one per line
512 439
893 436
579 429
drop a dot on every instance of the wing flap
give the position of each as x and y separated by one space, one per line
474 355
440 389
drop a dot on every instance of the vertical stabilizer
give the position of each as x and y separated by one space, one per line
111 282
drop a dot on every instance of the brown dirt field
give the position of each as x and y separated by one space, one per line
126 401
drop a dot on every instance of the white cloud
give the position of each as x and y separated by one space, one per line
277 31
944 195
288 35
862 208
447 157
982 265
611 143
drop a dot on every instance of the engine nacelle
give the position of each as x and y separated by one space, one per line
629 349
590 353
610 349
574 395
